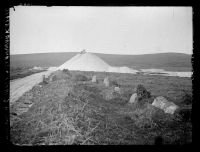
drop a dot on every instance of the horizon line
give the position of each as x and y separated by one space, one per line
104 53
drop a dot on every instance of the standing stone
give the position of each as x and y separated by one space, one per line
51 78
43 78
106 82
162 103
94 79
133 98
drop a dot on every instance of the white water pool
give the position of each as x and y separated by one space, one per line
166 73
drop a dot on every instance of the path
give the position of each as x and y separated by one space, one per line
20 86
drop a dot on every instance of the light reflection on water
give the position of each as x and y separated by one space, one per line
166 73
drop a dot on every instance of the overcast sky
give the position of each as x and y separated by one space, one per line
112 30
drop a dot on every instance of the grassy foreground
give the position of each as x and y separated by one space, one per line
73 110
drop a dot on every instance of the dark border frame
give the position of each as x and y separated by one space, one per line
4 104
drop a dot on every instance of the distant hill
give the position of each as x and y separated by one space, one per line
167 61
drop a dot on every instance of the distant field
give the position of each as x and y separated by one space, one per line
16 73
166 61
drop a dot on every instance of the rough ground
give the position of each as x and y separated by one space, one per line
73 110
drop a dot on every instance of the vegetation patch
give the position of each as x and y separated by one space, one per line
72 110
80 77
59 75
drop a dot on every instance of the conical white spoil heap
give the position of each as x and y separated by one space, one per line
85 62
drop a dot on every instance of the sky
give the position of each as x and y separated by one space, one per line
109 30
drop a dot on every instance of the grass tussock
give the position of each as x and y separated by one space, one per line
60 75
80 77
72 110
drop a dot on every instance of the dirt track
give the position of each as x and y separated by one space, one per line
20 86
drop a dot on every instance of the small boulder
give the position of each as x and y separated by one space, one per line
94 79
133 98
106 81
117 89
162 103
